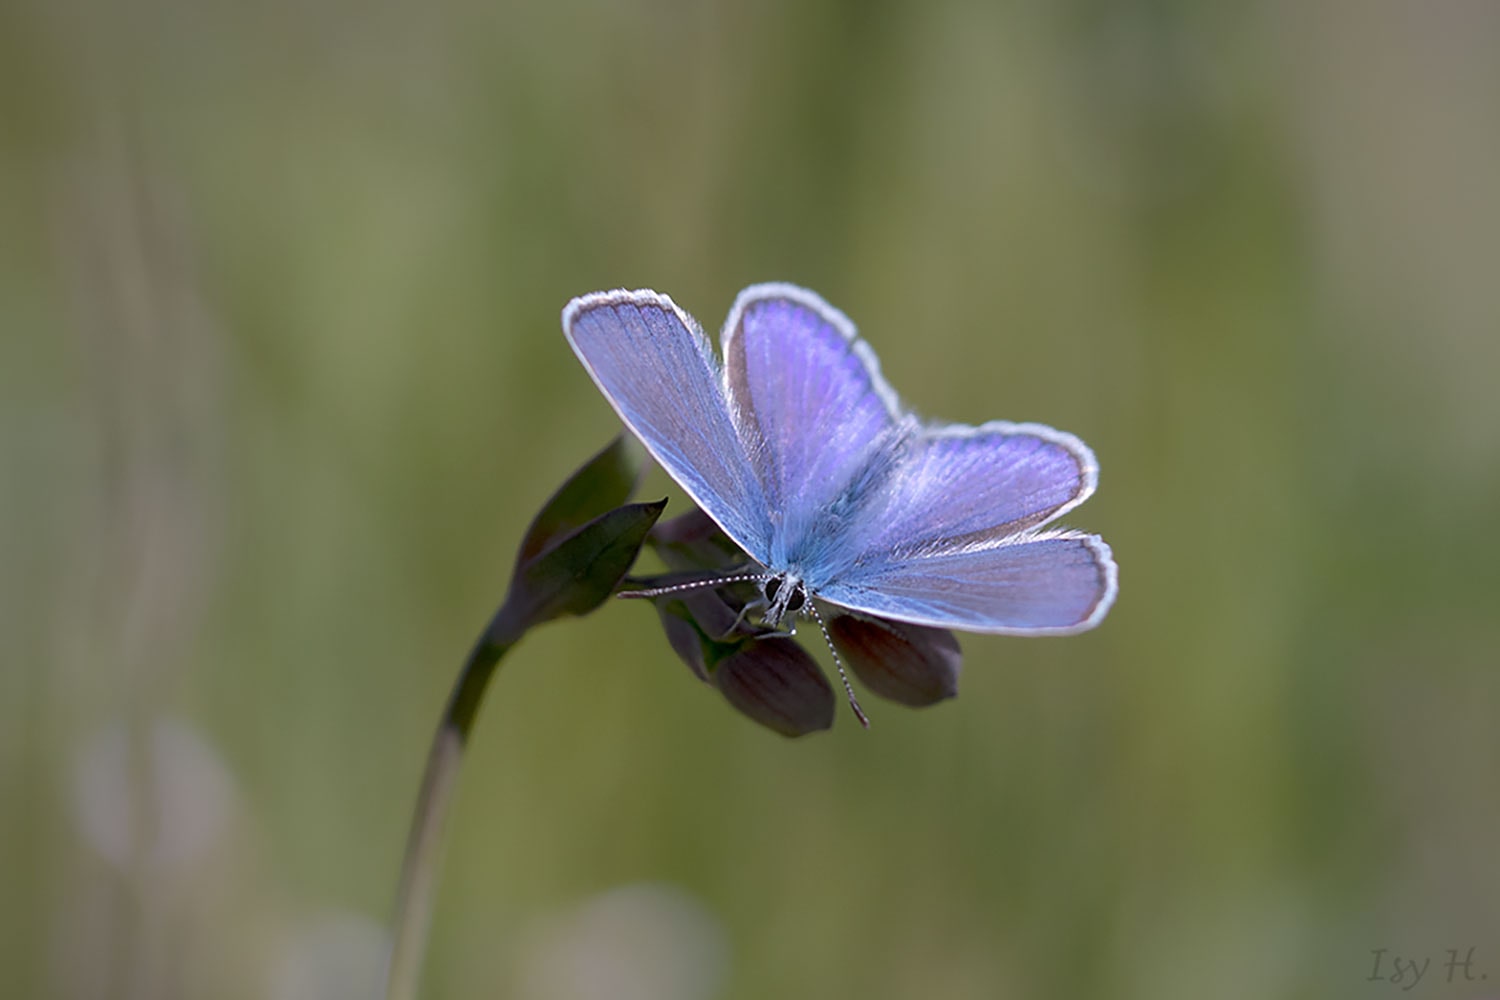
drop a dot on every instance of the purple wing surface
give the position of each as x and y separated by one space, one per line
799 449
951 539
820 423
955 486
1052 583
656 368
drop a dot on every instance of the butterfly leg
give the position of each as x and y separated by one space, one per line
740 620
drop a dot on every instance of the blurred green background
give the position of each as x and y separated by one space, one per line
283 381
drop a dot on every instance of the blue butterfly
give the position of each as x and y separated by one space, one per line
801 452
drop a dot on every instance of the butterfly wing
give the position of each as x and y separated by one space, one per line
1046 584
801 452
952 539
653 364
820 422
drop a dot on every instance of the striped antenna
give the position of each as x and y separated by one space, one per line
838 661
709 584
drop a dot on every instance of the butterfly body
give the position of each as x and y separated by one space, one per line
799 449
785 594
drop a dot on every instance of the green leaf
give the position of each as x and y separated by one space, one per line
603 482
581 570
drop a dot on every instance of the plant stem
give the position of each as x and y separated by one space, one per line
424 843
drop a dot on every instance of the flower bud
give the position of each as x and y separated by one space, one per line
684 636
698 625
909 664
775 682
694 541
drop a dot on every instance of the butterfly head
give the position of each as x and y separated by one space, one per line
785 595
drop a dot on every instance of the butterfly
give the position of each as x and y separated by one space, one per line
798 448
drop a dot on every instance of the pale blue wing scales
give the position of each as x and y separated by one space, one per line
820 423
1047 584
653 364
958 487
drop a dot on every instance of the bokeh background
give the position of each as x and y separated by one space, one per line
283 381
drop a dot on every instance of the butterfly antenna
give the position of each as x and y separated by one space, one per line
709 584
838 661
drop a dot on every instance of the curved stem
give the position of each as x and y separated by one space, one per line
424 843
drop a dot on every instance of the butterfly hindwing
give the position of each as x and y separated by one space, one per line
1050 583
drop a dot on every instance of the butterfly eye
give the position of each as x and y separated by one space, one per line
798 600
771 587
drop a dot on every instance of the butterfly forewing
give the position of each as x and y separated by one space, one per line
658 371
956 487
820 423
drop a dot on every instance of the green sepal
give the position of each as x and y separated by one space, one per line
579 571
602 483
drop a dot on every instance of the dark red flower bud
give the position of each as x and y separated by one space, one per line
909 664
702 627
775 682
694 541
